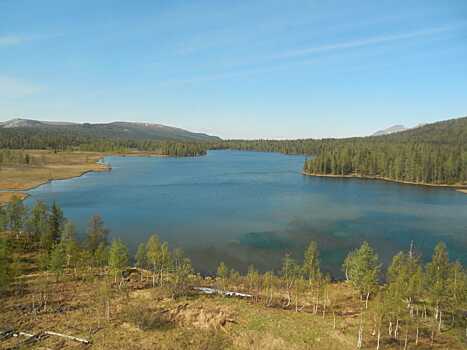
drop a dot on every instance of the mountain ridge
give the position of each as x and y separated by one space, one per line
117 129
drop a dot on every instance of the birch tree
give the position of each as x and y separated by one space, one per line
153 253
118 259
223 274
363 270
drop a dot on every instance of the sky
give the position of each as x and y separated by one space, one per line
236 69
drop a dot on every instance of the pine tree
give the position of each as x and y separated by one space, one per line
38 220
56 221
96 234
16 212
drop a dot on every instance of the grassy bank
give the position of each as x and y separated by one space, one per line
47 166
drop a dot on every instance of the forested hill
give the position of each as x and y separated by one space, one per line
111 137
115 130
432 154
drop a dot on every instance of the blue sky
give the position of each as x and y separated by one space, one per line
237 69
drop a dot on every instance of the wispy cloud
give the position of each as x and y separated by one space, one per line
11 88
377 40
12 40
18 39
285 60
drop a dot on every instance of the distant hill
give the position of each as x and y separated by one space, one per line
114 130
390 130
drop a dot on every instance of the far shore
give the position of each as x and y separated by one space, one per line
459 188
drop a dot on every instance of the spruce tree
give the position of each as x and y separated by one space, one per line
38 220
96 233
56 221
16 212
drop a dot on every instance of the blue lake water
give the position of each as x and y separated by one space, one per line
251 208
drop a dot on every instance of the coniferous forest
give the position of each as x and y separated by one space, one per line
432 154
28 138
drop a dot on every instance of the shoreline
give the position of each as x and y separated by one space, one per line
97 167
459 188
6 194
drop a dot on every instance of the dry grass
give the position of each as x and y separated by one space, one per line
148 319
57 166
141 317
62 165
5 197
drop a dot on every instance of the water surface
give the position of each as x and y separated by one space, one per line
251 208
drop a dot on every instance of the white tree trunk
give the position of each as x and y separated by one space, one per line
378 339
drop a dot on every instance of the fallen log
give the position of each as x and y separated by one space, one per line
6 334
80 340
31 339
210 291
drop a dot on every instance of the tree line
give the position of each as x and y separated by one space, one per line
23 139
431 154
46 230
406 303
413 300
412 162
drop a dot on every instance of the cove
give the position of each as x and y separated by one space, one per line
250 208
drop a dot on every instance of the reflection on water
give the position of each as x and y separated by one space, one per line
251 208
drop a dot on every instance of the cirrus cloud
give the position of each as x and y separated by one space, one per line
12 40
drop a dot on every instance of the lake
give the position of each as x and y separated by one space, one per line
251 208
